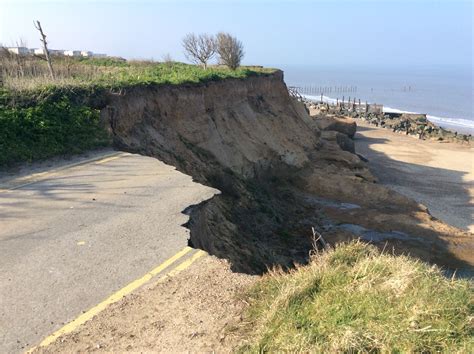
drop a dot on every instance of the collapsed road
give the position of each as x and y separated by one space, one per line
74 237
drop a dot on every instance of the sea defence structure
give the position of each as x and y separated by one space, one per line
407 123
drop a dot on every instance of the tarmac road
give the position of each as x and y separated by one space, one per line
75 236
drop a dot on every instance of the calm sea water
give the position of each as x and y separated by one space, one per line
445 94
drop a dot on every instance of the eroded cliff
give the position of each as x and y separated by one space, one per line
278 174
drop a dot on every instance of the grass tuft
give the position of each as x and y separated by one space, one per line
354 299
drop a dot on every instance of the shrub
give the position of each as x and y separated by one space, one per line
51 127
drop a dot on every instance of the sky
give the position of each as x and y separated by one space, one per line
274 33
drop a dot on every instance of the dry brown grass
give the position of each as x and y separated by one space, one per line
26 72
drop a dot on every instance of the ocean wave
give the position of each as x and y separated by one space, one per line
458 122
326 99
453 122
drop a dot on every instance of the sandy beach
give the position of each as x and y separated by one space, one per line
438 175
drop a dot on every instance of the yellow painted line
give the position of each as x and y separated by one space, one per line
86 316
41 176
108 159
184 265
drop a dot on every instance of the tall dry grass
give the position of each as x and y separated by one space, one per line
27 72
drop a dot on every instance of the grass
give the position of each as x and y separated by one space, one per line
354 299
41 117
32 74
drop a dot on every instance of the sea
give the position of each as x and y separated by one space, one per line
445 94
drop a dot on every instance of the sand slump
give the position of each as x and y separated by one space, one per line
260 148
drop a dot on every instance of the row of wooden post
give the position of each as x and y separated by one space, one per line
349 103
327 89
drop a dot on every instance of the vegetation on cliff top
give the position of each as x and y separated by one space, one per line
355 299
31 74
42 117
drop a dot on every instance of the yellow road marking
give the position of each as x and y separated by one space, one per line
40 176
71 326
108 159
184 265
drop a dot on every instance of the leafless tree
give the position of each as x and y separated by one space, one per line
199 48
230 50
45 47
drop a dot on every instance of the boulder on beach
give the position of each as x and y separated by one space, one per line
344 142
345 126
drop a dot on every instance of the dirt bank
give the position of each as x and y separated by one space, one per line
278 175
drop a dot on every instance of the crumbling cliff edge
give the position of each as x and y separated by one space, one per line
278 172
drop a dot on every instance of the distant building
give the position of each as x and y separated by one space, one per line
62 52
40 51
19 50
72 53
56 51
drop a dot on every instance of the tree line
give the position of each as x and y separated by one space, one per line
203 47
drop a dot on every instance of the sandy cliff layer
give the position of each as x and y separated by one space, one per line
279 175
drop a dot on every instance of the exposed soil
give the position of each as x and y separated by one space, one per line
279 176
195 311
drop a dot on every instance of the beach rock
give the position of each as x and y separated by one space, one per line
344 142
345 126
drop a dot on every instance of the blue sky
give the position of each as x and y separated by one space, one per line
324 33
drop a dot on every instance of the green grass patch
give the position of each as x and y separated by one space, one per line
114 73
354 299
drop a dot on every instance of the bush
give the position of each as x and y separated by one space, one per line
354 299
51 127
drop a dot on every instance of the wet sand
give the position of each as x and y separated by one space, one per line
436 174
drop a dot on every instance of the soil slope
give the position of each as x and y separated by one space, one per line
278 174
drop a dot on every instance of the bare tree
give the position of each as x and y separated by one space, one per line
230 50
45 47
199 48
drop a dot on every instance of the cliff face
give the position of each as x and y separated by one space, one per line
278 175
247 125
